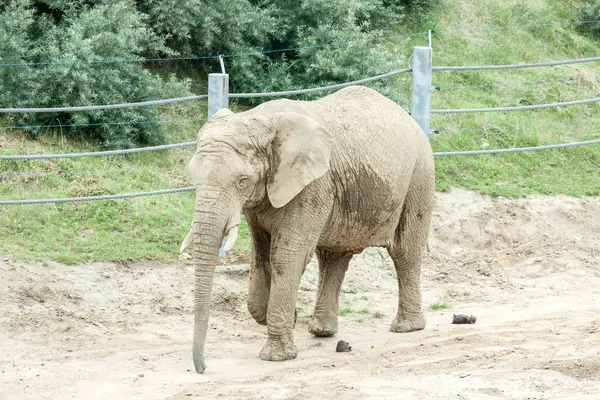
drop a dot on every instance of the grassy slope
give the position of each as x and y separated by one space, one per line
575 171
153 227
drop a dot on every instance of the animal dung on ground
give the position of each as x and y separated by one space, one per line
463 319
343 347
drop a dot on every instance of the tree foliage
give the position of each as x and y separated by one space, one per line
61 32
325 41
590 11
243 29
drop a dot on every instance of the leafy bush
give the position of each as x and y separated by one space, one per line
240 27
312 25
198 28
67 31
416 9
590 11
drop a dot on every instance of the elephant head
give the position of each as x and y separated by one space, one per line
244 161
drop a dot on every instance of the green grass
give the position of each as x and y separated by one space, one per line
140 228
574 171
153 227
450 294
438 306
346 310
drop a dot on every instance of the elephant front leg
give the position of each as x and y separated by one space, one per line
260 275
287 266
332 269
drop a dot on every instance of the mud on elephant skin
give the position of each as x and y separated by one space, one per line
332 177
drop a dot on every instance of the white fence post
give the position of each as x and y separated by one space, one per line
218 98
421 87
218 93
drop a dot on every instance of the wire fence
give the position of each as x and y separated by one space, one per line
216 56
515 66
98 153
92 198
518 83
322 88
521 126
63 173
295 49
517 108
310 90
204 97
192 188
101 107
155 122
526 26
517 149
282 94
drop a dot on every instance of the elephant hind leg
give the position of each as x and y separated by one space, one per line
406 252
332 269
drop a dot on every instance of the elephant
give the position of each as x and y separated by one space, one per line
329 177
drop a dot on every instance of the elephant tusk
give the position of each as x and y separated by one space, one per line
231 238
188 239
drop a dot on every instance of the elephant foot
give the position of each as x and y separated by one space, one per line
279 348
323 328
403 324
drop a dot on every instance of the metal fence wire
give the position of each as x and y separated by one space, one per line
290 93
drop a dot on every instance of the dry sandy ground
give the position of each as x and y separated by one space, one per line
527 269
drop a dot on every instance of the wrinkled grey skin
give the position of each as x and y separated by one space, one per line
333 176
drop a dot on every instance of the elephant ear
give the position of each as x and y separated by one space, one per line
301 150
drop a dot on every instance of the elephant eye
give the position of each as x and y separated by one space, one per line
243 182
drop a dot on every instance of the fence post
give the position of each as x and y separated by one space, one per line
218 93
421 87
218 97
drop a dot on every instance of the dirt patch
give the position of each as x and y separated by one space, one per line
587 368
594 327
241 257
527 269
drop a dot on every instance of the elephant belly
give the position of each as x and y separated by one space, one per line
357 232
367 204
356 236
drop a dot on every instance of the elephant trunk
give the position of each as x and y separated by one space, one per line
209 226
